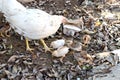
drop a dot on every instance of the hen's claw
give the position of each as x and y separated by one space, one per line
27 46
29 49
45 46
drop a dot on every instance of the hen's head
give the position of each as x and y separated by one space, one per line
58 20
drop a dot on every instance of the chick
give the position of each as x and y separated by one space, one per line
58 43
4 28
86 39
61 52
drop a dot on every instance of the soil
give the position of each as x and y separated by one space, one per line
43 66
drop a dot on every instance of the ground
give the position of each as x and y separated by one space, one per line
18 64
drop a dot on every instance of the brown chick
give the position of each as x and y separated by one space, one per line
86 39
4 28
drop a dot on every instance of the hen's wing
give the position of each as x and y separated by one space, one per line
31 22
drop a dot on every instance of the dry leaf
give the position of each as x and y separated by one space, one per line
86 56
13 58
87 31
77 22
108 15
111 57
76 46
83 57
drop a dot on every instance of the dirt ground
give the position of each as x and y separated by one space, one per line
18 64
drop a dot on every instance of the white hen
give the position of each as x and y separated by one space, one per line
31 23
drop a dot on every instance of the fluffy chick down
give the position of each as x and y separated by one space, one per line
61 52
57 43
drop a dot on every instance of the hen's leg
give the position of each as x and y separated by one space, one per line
45 46
27 45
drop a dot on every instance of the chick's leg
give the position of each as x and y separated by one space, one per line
1 34
27 45
45 46
61 59
5 34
